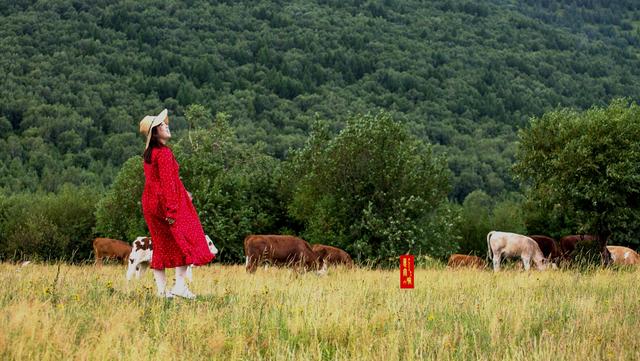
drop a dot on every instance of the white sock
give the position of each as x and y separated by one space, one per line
161 280
180 273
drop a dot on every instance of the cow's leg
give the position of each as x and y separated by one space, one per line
323 270
141 269
526 261
131 269
252 264
496 262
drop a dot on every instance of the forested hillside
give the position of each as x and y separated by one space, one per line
77 76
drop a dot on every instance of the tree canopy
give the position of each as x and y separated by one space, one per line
463 75
372 190
583 165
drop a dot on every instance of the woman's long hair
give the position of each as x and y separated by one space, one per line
153 143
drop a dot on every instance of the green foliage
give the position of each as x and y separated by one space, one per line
77 77
197 116
48 226
481 214
585 166
373 190
235 187
476 223
119 213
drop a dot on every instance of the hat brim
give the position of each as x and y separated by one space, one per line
163 117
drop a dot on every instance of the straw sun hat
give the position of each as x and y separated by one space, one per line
148 122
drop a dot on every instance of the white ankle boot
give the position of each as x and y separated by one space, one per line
164 294
183 292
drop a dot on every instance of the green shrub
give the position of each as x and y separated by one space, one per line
373 190
48 226
235 187
119 212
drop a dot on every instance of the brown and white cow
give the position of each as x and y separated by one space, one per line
549 247
140 258
142 252
463 260
110 248
623 255
331 255
279 250
514 245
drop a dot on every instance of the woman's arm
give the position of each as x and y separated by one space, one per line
168 174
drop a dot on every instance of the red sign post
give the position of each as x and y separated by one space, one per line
406 271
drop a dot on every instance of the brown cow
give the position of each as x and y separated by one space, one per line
110 248
332 255
549 247
568 243
462 260
279 250
623 255
568 246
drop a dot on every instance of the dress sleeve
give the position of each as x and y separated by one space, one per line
168 174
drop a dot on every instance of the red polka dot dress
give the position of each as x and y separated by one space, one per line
182 243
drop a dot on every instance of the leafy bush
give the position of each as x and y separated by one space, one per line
373 190
584 166
48 226
119 212
235 187
481 214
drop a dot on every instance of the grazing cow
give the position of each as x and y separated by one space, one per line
140 258
110 248
623 255
331 255
549 247
514 245
568 243
462 260
279 250
142 252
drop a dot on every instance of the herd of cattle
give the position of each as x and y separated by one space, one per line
543 251
293 251
279 250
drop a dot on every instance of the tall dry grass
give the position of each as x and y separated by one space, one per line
89 313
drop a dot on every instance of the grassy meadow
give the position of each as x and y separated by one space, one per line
90 313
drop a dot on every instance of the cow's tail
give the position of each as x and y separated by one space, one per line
489 253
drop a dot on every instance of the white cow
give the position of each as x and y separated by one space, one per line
514 245
142 251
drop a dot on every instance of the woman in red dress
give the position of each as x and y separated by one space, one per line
178 238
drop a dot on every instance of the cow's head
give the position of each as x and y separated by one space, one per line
141 252
541 264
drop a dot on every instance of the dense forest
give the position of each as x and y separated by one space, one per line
463 75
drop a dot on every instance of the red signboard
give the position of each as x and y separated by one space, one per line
406 271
